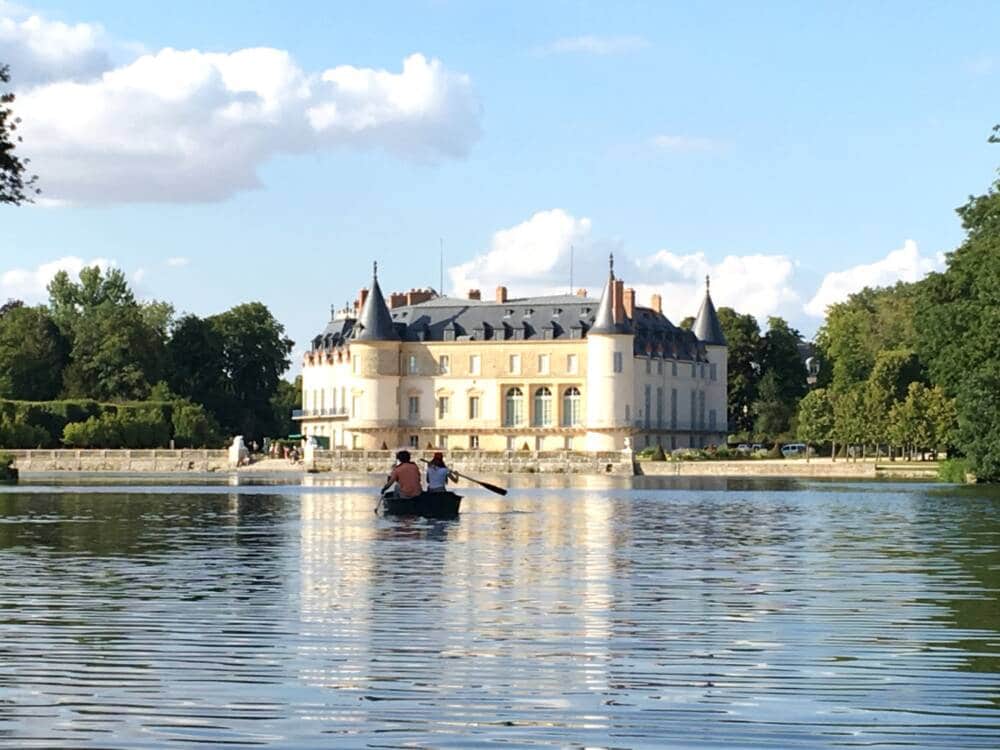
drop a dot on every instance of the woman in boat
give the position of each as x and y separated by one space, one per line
438 474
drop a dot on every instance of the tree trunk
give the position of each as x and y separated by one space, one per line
833 451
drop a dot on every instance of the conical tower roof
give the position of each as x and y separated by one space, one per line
375 322
706 326
604 320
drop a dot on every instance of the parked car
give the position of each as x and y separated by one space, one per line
794 450
743 448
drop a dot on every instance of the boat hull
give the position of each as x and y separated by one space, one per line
426 504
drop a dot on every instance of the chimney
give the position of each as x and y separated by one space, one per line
416 296
617 300
657 303
501 294
362 296
396 299
629 302
581 292
474 294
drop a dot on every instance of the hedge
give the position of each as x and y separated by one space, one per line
91 424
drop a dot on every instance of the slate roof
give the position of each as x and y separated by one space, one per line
556 317
706 325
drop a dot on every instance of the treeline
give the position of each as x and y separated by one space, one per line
905 369
97 368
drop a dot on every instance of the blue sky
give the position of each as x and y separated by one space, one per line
794 151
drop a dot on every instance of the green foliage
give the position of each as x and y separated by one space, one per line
954 470
744 354
816 417
131 428
286 398
850 424
21 435
117 345
958 320
652 453
773 410
33 354
925 420
16 185
194 427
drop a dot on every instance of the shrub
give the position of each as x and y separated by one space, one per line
954 470
128 428
194 427
21 435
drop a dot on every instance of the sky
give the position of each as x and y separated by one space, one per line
226 152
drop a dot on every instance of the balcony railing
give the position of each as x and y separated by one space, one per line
303 413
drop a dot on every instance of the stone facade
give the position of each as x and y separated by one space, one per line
560 373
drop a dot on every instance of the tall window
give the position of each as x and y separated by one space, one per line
442 407
413 409
694 370
673 369
411 364
659 407
355 407
711 419
473 407
514 411
673 409
543 364
515 364
647 407
694 410
414 441
543 408
649 365
712 374
473 442
444 364
571 364
659 367
475 364
701 409
571 407
618 362
442 441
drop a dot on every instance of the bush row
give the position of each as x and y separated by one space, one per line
91 424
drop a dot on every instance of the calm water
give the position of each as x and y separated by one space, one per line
712 614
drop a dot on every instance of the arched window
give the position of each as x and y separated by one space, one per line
571 407
514 412
543 408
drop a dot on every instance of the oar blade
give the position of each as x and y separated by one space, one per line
490 487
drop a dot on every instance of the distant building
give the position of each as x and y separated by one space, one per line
556 372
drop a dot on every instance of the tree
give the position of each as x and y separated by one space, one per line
771 411
849 421
782 382
287 398
888 384
117 347
958 320
255 354
743 336
196 370
816 422
33 354
16 185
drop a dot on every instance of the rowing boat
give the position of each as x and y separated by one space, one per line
426 504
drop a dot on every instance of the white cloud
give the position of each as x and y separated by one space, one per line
187 125
904 264
758 284
527 256
683 143
533 258
39 50
590 44
29 284
178 262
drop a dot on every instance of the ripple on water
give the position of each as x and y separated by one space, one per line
762 615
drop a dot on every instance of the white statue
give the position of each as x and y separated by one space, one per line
238 453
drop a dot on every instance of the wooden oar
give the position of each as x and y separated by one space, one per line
486 485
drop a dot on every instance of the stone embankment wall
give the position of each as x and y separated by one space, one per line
758 468
484 462
159 459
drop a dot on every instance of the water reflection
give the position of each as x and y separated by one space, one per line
669 613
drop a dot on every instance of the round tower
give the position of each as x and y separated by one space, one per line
610 371
372 407
709 332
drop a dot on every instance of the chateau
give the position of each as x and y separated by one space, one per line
553 373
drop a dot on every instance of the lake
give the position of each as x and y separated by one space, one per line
575 612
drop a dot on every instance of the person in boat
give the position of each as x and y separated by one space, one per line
438 475
405 475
